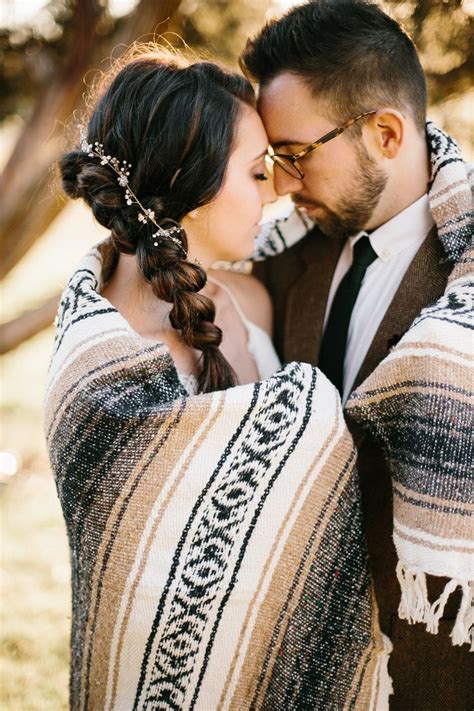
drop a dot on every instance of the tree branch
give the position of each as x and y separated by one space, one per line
15 332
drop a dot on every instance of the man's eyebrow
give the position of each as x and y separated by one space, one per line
289 142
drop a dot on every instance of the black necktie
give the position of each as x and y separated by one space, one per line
333 346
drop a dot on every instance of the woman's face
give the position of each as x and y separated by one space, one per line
226 228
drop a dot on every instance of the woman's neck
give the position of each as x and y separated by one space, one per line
133 297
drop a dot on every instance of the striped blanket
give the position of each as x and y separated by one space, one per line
218 559
418 405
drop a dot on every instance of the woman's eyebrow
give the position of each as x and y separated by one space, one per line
260 155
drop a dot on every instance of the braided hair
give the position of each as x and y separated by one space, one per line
175 122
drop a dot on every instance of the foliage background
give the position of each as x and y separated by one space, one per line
36 41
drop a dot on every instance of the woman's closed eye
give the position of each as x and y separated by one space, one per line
261 171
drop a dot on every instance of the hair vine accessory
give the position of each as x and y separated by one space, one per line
96 150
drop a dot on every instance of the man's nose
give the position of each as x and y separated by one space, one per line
269 193
285 183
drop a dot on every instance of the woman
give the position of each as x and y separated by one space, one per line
217 554
188 176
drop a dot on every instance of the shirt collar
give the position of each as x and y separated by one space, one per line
408 227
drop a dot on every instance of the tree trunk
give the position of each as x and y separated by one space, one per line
27 201
29 198
15 332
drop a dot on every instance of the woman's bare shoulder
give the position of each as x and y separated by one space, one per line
251 294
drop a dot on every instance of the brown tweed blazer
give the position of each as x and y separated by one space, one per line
427 671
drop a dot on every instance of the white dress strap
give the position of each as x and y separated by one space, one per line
232 297
259 342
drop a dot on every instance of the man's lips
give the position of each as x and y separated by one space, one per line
306 204
309 207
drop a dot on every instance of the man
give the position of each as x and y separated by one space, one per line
345 294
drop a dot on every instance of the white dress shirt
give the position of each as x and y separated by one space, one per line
395 243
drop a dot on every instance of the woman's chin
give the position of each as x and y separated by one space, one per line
241 252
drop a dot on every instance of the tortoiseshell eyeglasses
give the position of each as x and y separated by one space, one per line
289 163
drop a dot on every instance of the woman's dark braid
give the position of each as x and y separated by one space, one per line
178 282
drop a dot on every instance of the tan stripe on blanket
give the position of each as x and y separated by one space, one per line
91 339
426 345
437 501
426 543
450 188
391 390
419 518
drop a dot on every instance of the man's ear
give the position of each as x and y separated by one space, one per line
388 132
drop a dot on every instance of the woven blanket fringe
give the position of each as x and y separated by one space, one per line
382 683
416 607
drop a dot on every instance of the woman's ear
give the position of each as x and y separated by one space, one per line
191 222
388 126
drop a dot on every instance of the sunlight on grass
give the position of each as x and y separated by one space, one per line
35 614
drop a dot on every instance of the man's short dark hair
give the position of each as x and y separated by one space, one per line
352 55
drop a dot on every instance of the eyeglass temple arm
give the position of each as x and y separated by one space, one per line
332 134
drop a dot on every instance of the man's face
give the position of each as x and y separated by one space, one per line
342 183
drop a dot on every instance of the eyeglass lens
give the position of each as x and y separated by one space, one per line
287 166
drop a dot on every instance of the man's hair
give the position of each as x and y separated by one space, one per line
352 56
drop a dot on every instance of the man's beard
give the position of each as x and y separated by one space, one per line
356 207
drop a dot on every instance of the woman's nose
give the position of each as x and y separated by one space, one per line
284 183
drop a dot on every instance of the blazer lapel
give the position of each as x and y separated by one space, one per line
424 282
307 298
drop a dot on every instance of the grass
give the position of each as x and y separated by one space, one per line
35 615
35 611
